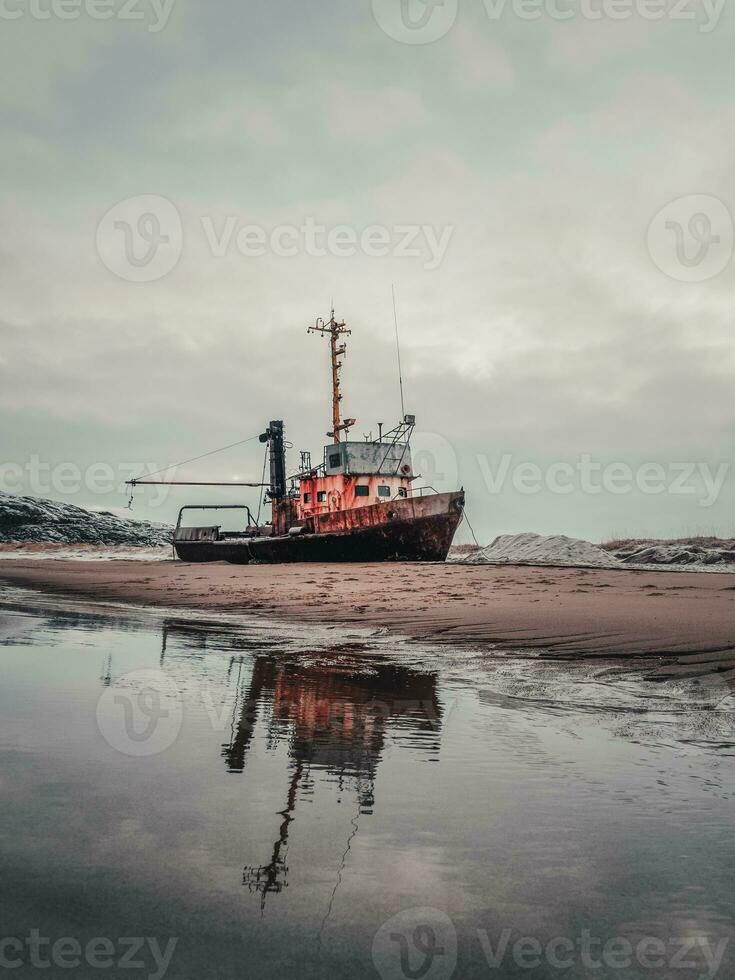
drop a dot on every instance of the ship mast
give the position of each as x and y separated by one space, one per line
335 330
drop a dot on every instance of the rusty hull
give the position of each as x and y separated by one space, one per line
408 529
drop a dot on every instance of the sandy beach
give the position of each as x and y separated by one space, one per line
676 623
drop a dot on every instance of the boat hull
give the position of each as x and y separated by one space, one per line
410 529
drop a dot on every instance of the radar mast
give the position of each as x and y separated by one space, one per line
334 330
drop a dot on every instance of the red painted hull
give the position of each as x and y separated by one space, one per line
410 529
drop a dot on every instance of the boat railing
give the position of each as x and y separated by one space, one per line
251 520
420 490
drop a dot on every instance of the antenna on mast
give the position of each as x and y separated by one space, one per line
335 330
398 351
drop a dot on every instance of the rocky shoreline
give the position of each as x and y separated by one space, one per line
35 520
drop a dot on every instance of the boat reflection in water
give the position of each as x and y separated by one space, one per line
334 709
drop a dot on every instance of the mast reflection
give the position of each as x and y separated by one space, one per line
335 710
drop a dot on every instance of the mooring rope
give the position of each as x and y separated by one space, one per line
474 538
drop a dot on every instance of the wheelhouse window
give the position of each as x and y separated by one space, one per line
362 490
321 496
307 498
383 491
334 459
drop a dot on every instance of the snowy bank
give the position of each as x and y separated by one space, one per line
538 549
39 521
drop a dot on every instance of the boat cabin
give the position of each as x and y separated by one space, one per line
355 474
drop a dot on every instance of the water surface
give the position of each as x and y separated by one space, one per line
287 801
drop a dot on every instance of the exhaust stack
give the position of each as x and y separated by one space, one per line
273 435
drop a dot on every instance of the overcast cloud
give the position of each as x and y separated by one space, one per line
519 162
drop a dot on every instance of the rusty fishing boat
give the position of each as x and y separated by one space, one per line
358 504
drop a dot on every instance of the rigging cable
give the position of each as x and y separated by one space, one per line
398 351
340 873
194 459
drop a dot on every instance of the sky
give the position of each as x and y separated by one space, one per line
187 185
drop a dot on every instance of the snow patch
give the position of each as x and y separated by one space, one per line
538 549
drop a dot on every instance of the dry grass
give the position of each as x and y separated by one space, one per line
627 544
464 549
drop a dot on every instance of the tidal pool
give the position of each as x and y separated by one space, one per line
198 798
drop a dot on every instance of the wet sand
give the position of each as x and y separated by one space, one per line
680 623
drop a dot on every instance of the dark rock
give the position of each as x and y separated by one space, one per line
39 521
674 553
